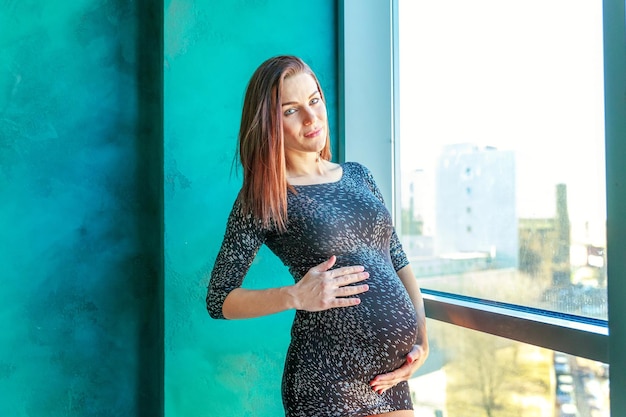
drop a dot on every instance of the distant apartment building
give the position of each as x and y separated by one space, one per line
475 204
545 243
417 218
546 247
538 244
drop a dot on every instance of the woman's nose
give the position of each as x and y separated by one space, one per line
309 116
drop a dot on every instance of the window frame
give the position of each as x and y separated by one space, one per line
368 132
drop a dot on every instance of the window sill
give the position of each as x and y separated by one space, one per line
575 335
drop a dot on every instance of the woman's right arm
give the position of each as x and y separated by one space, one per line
242 240
320 289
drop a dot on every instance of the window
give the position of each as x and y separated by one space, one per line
363 50
477 374
581 335
489 112
501 107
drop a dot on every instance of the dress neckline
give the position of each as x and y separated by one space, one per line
343 172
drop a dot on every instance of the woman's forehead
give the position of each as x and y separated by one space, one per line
298 84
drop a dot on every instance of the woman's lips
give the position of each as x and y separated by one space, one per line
313 133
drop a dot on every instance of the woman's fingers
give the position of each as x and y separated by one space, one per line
351 290
345 271
327 264
322 288
383 385
350 278
341 276
383 382
339 293
414 360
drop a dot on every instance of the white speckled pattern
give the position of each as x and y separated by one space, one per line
334 353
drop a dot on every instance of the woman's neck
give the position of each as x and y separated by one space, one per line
306 164
305 168
313 173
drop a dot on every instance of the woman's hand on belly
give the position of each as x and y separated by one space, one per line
323 289
414 360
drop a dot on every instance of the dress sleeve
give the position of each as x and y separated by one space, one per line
398 256
242 240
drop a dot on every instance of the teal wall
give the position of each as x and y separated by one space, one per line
86 172
80 208
223 368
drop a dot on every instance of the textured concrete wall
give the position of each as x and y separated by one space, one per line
220 368
80 198
81 167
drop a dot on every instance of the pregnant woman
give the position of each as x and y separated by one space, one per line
359 329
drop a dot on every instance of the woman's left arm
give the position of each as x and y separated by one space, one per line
417 356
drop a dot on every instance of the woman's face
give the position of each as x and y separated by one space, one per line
303 114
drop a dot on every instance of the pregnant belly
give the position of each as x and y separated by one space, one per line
371 338
389 318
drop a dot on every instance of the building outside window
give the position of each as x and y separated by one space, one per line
500 187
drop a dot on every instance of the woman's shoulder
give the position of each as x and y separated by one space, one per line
356 168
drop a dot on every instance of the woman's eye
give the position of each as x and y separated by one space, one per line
289 112
315 100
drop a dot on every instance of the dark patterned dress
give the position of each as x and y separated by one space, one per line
333 354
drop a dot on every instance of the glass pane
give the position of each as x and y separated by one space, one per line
501 136
472 374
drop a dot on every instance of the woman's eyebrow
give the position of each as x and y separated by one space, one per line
289 103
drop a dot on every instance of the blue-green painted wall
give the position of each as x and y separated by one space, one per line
80 208
220 368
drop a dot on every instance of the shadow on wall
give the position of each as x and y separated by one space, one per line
80 181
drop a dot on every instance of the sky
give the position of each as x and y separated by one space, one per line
517 75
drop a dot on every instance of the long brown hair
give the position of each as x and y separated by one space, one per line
261 145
